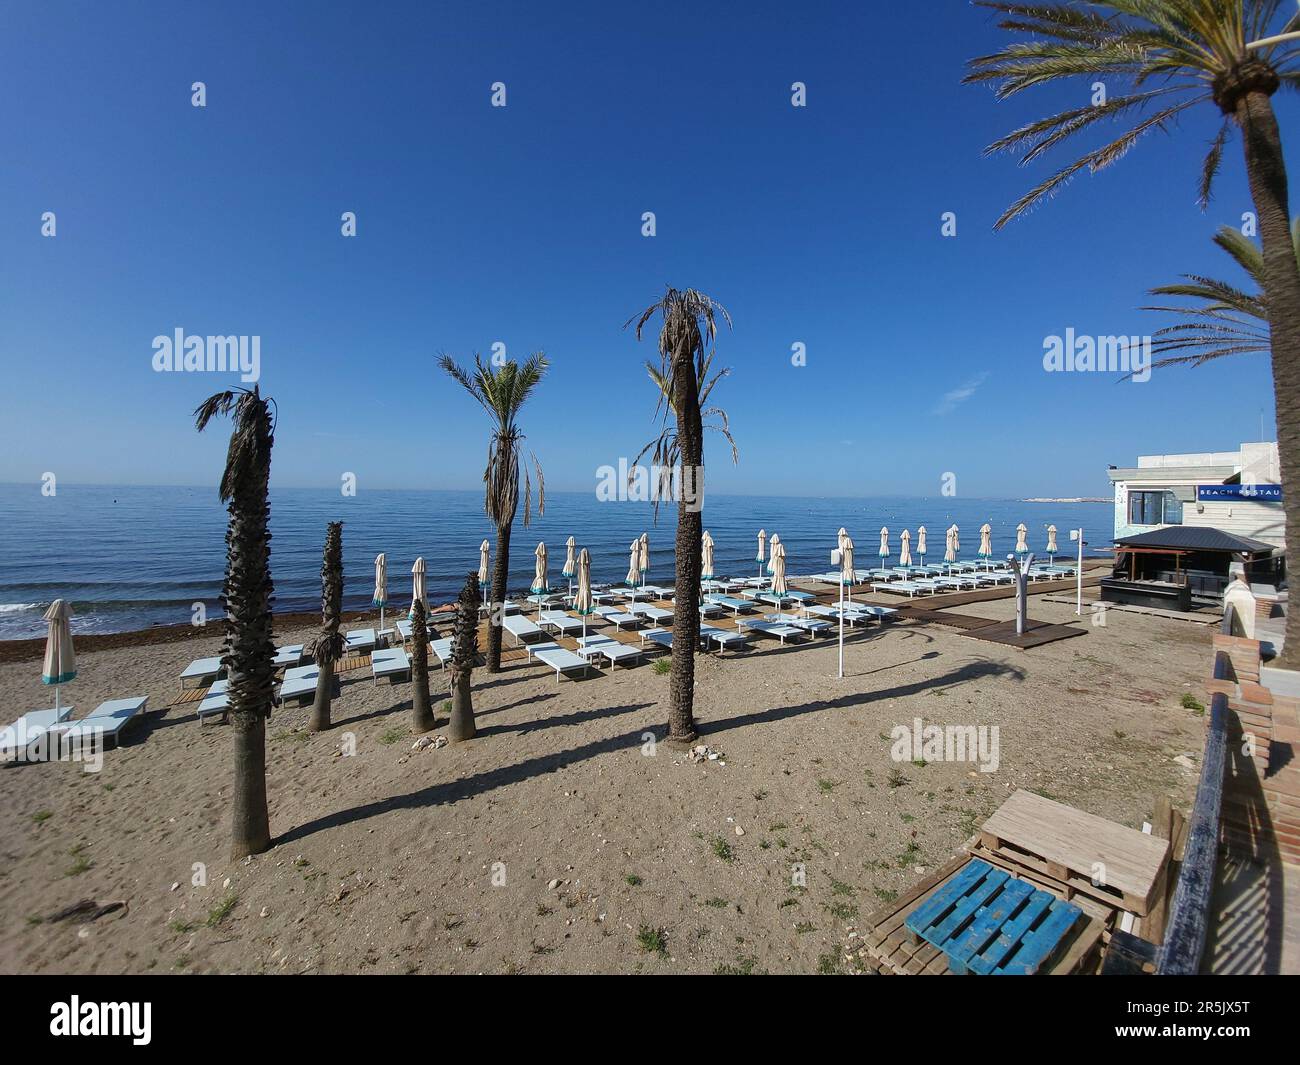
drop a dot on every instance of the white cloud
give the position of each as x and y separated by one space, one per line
957 396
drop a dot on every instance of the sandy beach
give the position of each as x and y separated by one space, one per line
560 840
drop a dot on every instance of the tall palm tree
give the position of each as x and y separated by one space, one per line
1174 55
328 648
421 710
1224 319
464 652
689 328
248 650
501 391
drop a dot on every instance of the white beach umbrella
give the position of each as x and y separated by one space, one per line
777 566
1022 547
956 539
762 541
706 556
570 563
483 550
773 544
643 559
920 543
582 599
539 586
846 563
884 544
950 544
417 588
1051 542
634 563
905 549
60 664
380 598
986 542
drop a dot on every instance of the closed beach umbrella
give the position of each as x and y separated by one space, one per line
956 539
706 556
570 563
539 586
380 598
644 559
777 566
986 542
634 565
846 563
582 599
771 551
920 543
1051 542
1022 548
417 587
762 541
950 544
905 549
60 664
483 550
884 544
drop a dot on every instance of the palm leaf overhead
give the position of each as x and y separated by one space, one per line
1171 55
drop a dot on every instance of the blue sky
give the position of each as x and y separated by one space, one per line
522 225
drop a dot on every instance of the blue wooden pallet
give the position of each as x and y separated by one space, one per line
989 923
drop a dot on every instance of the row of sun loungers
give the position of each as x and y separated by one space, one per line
102 724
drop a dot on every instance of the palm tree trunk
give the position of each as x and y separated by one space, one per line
461 725
250 823
500 576
1266 170
690 524
319 720
421 710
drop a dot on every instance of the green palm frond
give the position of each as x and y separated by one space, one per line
1191 50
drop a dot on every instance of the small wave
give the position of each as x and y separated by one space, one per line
17 608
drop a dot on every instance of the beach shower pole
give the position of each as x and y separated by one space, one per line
836 561
1077 534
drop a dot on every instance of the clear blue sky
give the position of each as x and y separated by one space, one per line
522 225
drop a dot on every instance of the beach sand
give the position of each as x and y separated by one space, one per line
553 842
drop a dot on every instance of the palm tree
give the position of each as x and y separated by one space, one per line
1173 55
421 710
248 650
689 328
1225 319
328 648
501 392
464 651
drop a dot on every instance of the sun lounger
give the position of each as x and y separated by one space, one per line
662 637
299 682
214 703
710 610
724 638
854 615
105 722
884 613
560 621
561 661
520 628
907 588
288 655
29 728
390 662
442 648
619 618
359 640
656 615
608 648
993 578
201 669
719 584
881 575
812 626
736 606
507 607
657 591
768 628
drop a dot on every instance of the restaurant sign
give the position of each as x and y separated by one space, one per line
1258 493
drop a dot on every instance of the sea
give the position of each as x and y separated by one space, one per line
132 557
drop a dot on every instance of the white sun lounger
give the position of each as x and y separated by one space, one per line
993 578
608 648
358 640
560 621
521 628
618 618
908 588
560 660
507 607
29 728
442 648
657 591
662 637
813 626
299 682
288 655
854 615
214 703
768 628
724 638
390 662
656 615
730 602
201 669
105 722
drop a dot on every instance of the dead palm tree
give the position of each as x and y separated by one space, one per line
328 648
1171 56
501 391
464 652
688 332
247 651
1224 319
421 709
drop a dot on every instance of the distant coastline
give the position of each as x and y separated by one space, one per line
1068 499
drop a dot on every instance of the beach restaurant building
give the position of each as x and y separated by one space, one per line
1182 520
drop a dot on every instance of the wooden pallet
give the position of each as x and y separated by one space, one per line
1065 844
893 951
990 923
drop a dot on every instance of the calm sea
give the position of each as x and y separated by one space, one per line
132 557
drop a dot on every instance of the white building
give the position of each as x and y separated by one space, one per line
1237 492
